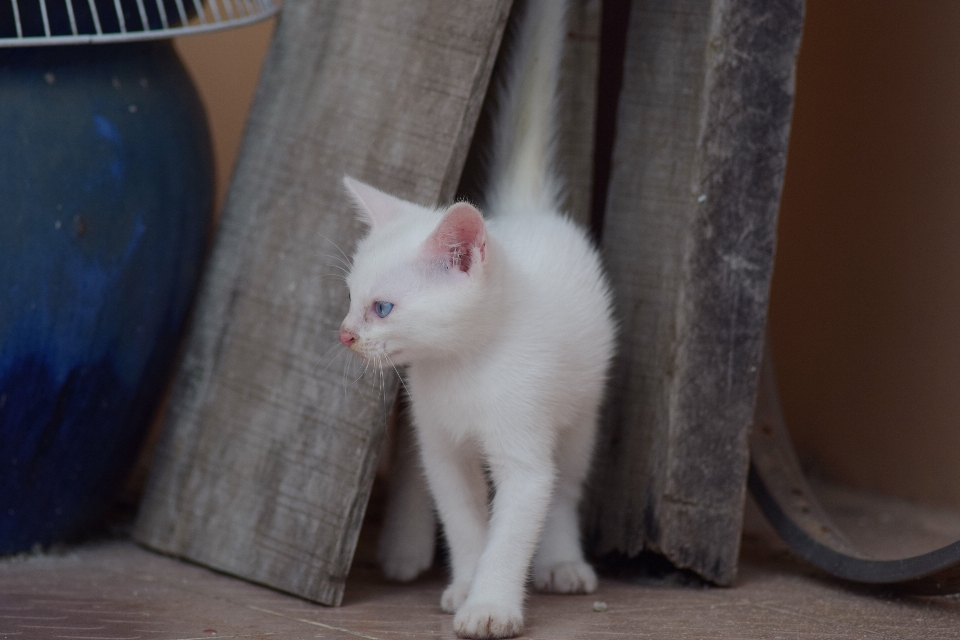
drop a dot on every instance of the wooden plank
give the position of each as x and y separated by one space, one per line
689 233
577 108
267 456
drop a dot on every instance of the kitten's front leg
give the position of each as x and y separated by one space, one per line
494 606
459 487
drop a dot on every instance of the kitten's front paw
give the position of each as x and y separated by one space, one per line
454 596
566 577
488 620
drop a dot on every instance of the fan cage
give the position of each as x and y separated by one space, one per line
53 22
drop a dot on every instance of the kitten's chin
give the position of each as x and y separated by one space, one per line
397 358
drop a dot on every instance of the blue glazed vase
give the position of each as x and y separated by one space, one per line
106 180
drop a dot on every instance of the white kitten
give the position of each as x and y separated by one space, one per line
506 329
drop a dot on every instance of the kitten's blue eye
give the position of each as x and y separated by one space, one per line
382 308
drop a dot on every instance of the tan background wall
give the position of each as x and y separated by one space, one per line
225 66
865 314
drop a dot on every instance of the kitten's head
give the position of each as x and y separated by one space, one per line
416 278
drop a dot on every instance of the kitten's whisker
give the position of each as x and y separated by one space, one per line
342 273
328 359
335 246
366 365
331 274
339 264
398 373
327 353
383 390
383 387
346 375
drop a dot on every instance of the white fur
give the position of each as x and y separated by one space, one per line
506 330
409 528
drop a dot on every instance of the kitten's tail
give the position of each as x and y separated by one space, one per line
524 135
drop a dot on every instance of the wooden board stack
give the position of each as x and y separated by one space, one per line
689 231
267 457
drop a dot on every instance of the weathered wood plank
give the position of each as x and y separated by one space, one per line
689 234
267 456
577 108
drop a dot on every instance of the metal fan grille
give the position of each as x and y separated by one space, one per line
50 22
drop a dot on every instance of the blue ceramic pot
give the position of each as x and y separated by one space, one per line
105 198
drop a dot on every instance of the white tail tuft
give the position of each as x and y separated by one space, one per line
522 172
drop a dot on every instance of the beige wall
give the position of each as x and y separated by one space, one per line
225 66
865 314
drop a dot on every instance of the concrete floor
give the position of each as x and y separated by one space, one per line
116 590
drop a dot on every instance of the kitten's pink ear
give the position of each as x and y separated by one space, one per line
374 207
461 238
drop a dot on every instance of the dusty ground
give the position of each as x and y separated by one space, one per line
114 589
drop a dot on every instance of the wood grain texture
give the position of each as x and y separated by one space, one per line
577 108
268 453
689 235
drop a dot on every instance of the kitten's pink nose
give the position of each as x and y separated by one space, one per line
347 337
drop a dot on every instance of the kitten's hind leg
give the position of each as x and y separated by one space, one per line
409 531
559 566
